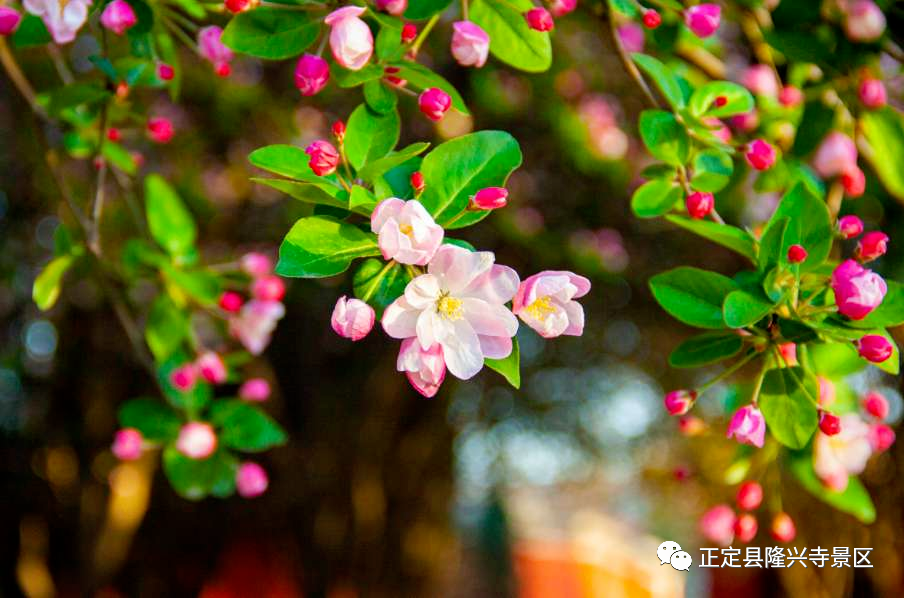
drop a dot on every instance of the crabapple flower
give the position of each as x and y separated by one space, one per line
679 402
839 456
874 348
875 405
324 157
470 44
853 181
409 33
351 41
760 154
760 80
424 368
165 71
788 352
352 318
118 17
251 480
872 93
745 528
545 302
783 528
417 183
691 426
836 154
255 323
268 288
881 437
539 19
829 423
873 245
858 291
63 19
433 103
256 264
719 129
864 21
406 232
748 426
460 304
746 122
703 19
393 7
196 440
214 50
560 8
797 254
850 226
127 444
311 74
184 377
826 391
230 301
9 20
254 389
211 367
699 204
491 198
632 37
717 524
790 96
750 495
160 129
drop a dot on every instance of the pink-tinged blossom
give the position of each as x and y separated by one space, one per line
231 302
351 41
352 318
632 37
836 154
460 304
160 129
746 122
760 80
560 8
406 232
196 440
853 181
703 19
268 288
826 392
872 93
184 377
470 44
745 528
424 368
717 524
251 480
850 226
699 204
63 18
546 303
255 389
118 17
393 7
881 437
875 404
783 528
788 351
490 198
679 402
858 291
718 128
790 96
872 246
750 495
324 157
539 19
165 71
9 20
211 367
434 103
760 154
213 49
255 323
311 74
127 444
837 457
874 348
256 264
748 426
864 21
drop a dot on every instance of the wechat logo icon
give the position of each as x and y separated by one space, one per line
671 553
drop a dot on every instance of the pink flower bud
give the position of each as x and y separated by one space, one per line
783 528
118 17
874 348
165 72
352 318
881 437
409 33
338 129
127 444
788 352
546 303
632 37
425 370
211 367
797 254
691 426
255 389
718 128
417 182
324 157
679 402
560 8
256 264
196 440
160 129
750 495
470 45
717 524
490 198
434 103
746 122
251 480
760 155
850 226
829 423
351 41
790 96
836 154
699 204
311 74
406 232
872 93
651 19
9 20
864 21
703 19
748 426
858 291
539 19
239 6
114 134
184 377
231 301
826 392
254 324
853 181
876 405
745 528
394 7
213 49
873 245
760 80
268 288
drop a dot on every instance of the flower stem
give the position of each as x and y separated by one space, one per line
416 46
728 372
629 65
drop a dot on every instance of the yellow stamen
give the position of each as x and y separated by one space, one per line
541 309
449 308
406 229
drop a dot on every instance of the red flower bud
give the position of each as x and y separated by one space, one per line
268 288
760 155
876 405
745 528
165 72
699 204
850 226
339 130
881 437
750 496
797 254
231 301
679 402
873 245
790 96
122 90
783 528
160 129
829 423
539 19
874 348
720 101
651 19
853 181
324 157
490 198
872 93
224 69
433 103
417 182
113 134
237 6
409 33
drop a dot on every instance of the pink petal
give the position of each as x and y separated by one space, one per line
495 347
400 319
489 319
498 285
462 351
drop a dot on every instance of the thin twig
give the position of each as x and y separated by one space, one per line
18 79
629 65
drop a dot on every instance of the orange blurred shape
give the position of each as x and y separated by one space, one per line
252 570
547 569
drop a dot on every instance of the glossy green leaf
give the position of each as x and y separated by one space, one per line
370 136
290 161
49 283
166 328
816 122
705 349
202 286
195 479
656 198
692 295
511 40
883 132
319 194
809 224
712 170
31 32
854 499
663 77
379 97
422 9
509 367
345 78
743 308
380 283
732 237
379 167
321 246
362 199
170 222
664 136
72 96
737 100
423 78
155 420
245 427
790 413
271 33
772 241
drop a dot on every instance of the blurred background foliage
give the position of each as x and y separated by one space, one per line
481 491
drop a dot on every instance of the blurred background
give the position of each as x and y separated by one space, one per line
562 489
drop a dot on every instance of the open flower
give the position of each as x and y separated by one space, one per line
470 44
836 155
748 426
858 291
212 49
406 232
351 41
837 457
63 19
255 323
424 368
459 304
545 302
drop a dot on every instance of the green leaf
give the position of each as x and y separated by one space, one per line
663 78
705 349
834 360
202 286
655 198
743 308
459 168
271 33
883 132
119 157
738 100
388 44
370 136
815 124
809 224
31 32
156 421
192 401
420 76
692 295
378 167
362 199
72 96
509 367
890 312
170 222
49 282
195 479
380 283
790 414
166 328
192 8
853 500
732 237
318 194
422 9
664 136
712 170
345 78
245 427
511 40
379 97
772 241
289 161
321 246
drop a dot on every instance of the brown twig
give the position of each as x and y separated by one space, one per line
629 65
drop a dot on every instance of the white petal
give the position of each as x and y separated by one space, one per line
489 319
462 351
400 319
495 347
